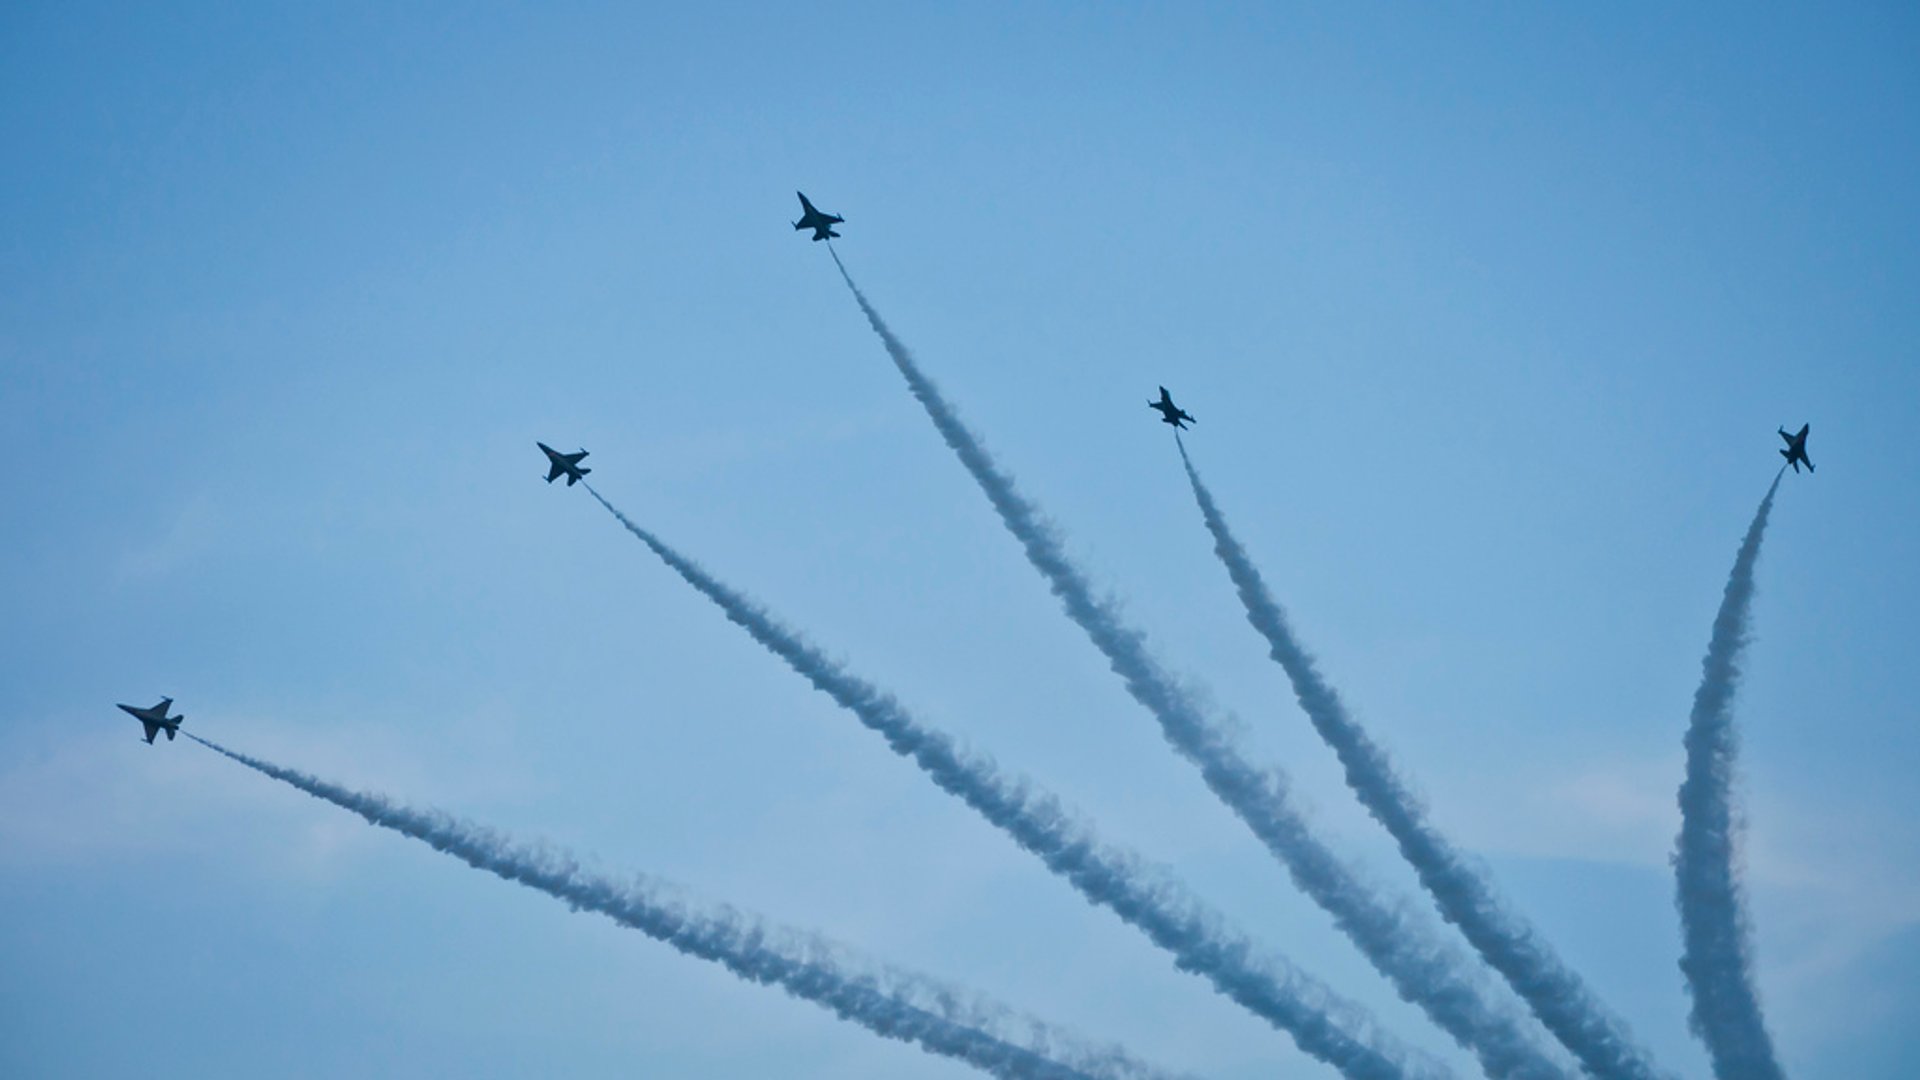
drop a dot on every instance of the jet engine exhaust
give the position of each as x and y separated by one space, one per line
889 1002
1442 981
1325 1026
1556 994
1716 954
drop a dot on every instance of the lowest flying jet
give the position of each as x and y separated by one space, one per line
1169 412
155 719
821 223
559 464
1796 451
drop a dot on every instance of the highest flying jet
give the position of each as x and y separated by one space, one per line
156 719
563 464
1796 451
1169 412
821 224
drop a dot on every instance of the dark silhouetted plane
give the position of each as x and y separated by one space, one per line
821 224
1796 451
1169 412
563 464
156 719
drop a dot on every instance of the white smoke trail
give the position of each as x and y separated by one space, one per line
1555 993
1716 953
1440 980
936 1017
1325 1026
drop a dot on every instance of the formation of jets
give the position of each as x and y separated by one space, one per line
156 720
559 464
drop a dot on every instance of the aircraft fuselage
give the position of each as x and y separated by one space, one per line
1796 451
1169 412
155 719
567 465
821 223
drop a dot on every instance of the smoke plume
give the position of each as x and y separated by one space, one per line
1440 980
938 1018
1335 1031
1716 953
1555 993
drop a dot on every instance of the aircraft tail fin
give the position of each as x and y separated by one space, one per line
173 730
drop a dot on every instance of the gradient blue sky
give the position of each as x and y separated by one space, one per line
1487 316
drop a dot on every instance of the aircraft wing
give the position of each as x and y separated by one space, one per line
152 729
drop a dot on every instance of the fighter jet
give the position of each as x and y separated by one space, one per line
1169 412
1796 451
156 719
821 224
567 464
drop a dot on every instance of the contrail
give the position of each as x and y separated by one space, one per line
1713 923
895 1004
1555 993
1338 1032
1424 970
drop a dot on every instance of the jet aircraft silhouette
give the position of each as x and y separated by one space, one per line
563 464
1169 412
821 224
156 719
1796 451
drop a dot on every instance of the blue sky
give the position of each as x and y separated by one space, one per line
1487 318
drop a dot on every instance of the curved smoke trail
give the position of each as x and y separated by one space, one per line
1333 1030
895 1004
1555 993
1716 955
1440 980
